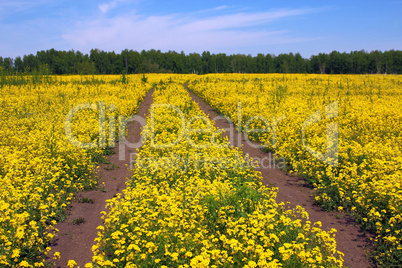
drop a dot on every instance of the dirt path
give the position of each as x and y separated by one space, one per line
74 241
350 238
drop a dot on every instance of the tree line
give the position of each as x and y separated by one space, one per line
154 61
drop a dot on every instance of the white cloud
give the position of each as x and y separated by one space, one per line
221 7
182 32
241 20
105 7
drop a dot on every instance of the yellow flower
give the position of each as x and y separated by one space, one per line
16 253
24 264
71 263
56 255
175 256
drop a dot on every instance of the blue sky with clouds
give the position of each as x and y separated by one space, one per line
247 27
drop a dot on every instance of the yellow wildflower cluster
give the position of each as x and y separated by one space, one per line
193 202
341 132
40 169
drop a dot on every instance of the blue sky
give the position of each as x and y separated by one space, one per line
247 27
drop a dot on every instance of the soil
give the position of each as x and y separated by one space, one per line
76 234
350 238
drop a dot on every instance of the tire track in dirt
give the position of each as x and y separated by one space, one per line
74 241
350 238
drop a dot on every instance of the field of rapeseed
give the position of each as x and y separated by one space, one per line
40 169
192 202
196 202
341 132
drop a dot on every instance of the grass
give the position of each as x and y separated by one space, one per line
111 166
78 221
85 200
108 151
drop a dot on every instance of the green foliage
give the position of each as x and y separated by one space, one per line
85 200
154 61
124 79
144 79
78 221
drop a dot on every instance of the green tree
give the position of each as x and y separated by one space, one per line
30 63
8 64
19 64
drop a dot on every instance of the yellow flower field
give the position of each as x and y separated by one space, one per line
40 169
341 132
192 202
